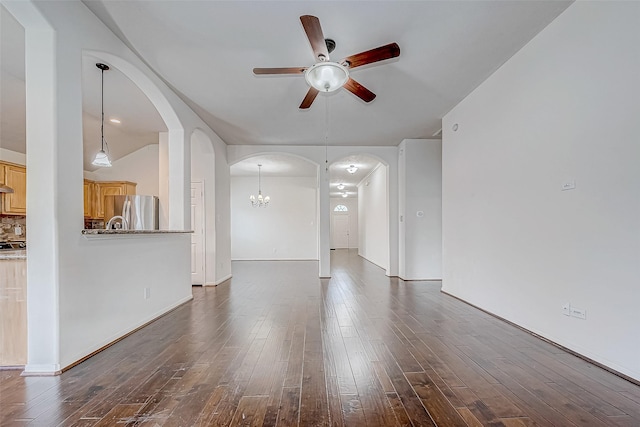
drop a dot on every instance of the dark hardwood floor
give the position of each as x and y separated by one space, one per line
278 346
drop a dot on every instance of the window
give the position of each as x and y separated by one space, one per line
341 208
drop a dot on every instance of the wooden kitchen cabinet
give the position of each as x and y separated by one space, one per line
15 176
90 198
95 191
13 312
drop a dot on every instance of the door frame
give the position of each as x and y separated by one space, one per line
202 233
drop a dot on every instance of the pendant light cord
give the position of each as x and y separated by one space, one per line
326 134
102 113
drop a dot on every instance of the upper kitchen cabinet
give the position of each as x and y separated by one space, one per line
14 176
90 198
95 191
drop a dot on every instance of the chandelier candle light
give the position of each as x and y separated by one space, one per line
102 158
259 202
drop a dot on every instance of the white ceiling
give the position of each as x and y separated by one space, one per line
206 51
282 165
274 165
338 174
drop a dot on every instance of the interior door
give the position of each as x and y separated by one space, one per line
340 231
197 238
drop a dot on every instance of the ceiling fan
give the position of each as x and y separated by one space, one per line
326 75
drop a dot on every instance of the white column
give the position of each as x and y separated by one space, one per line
325 226
179 157
393 217
43 284
163 176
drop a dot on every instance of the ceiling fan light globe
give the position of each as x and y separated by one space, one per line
326 76
102 160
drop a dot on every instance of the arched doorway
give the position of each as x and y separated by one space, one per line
359 182
287 228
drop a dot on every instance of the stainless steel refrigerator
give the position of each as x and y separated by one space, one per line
139 212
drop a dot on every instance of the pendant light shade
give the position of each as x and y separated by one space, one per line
5 189
102 158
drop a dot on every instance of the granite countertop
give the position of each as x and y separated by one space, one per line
96 232
17 254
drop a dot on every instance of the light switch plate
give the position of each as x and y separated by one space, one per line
569 184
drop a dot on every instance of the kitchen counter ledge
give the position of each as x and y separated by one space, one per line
17 254
113 233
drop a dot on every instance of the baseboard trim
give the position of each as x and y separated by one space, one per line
420 280
41 370
224 279
553 343
274 259
379 266
12 368
104 347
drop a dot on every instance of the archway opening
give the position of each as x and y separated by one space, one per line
132 126
287 227
359 183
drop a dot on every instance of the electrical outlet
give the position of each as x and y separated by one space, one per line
566 309
580 313
569 184
147 293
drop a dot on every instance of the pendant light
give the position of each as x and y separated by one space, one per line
259 202
102 158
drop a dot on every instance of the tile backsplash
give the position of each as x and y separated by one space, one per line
8 225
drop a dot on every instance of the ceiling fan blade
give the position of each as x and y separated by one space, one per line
290 70
311 25
308 99
381 53
358 90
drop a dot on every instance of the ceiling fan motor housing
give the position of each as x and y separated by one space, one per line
331 44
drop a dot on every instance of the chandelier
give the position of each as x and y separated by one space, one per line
259 202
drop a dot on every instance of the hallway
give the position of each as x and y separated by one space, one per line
278 346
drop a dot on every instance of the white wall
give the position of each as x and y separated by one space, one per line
420 194
564 108
117 273
140 167
373 223
352 204
286 229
